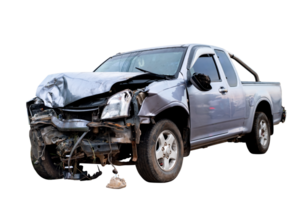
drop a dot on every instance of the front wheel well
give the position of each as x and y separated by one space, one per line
176 114
180 117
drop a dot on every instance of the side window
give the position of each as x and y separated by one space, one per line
227 68
206 65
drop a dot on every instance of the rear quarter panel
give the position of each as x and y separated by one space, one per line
257 92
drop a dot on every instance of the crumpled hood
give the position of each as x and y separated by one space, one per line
59 90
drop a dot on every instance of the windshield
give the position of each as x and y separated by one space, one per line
158 61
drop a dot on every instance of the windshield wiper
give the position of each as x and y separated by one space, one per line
156 75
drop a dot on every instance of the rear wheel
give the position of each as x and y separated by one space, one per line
160 152
258 140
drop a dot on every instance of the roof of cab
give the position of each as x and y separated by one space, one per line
168 46
159 47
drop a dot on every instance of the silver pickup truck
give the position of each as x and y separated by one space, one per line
149 108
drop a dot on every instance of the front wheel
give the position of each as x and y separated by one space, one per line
47 168
160 152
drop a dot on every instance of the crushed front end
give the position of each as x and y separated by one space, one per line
103 129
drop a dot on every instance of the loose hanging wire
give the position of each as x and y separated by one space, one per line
94 161
75 164
115 171
74 147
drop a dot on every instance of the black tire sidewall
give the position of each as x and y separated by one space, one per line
44 168
159 174
259 118
34 146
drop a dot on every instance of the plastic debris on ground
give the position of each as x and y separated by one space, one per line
116 183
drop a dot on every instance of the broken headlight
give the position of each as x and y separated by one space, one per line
118 105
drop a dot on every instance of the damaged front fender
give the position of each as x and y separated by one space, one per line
26 107
163 95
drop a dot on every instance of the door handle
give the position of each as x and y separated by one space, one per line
223 90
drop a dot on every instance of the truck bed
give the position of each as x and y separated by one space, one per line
257 92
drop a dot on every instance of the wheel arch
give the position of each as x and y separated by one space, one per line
265 107
180 117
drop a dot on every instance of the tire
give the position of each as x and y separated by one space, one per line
157 162
258 141
44 168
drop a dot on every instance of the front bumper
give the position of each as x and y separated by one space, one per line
70 125
123 133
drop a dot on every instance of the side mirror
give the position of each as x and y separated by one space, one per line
201 81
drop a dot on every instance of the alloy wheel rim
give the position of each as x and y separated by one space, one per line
166 150
263 133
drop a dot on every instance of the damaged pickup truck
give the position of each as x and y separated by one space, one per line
149 108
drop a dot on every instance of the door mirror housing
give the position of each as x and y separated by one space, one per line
201 81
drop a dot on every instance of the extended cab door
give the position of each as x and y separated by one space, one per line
236 94
209 110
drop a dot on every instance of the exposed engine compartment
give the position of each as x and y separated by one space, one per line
106 141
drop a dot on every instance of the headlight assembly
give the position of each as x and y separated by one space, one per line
118 105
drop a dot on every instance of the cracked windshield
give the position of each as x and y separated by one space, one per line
160 61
